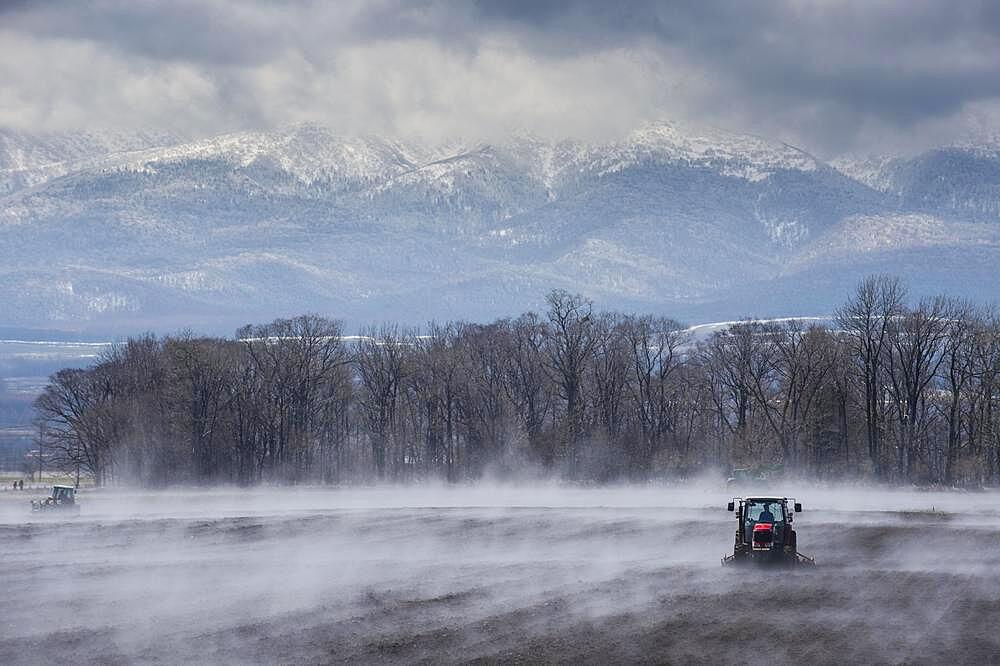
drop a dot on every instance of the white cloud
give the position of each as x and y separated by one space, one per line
830 78
400 86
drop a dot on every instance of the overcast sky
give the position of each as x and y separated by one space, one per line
828 76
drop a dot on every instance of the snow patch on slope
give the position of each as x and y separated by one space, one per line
875 171
870 234
738 155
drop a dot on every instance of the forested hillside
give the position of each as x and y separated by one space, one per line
133 232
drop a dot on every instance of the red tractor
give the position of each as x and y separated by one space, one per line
764 532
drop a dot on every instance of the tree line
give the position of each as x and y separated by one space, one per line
888 389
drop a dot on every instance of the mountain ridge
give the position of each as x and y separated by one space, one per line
250 225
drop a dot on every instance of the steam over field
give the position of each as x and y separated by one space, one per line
494 573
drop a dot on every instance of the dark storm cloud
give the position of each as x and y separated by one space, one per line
827 75
901 62
206 32
231 32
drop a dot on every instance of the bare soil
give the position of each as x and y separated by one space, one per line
506 576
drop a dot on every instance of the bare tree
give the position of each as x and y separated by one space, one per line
788 371
383 364
296 360
568 352
483 403
735 365
915 353
527 383
437 379
654 346
198 377
963 327
983 426
76 408
867 318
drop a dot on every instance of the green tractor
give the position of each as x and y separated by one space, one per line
63 498
764 532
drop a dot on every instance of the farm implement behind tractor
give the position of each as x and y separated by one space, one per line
764 532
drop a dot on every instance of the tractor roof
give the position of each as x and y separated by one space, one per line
765 499
66 487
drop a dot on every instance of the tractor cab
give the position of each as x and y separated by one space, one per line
764 531
62 497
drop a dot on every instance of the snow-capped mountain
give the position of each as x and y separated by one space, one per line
26 160
112 232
